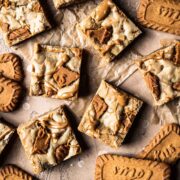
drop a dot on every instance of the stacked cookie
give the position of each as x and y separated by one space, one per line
49 139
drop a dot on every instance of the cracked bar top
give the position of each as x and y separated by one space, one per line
55 72
114 167
63 3
6 133
109 30
21 19
161 71
110 115
48 140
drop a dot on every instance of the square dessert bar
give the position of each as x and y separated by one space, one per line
56 72
63 3
6 133
110 115
161 71
48 139
20 20
109 30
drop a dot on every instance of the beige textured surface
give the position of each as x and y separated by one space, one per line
145 127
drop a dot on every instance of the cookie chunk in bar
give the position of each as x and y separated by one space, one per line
109 30
14 172
115 167
110 115
6 133
56 72
161 71
48 139
165 146
63 3
20 20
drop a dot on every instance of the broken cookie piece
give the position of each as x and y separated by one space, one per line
56 72
48 139
20 20
109 30
161 71
110 115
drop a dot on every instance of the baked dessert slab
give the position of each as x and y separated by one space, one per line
63 3
55 72
20 20
6 133
165 146
11 66
48 139
10 93
13 172
162 15
161 71
110 115
109 30
114 167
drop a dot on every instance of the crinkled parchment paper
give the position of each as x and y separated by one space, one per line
120 72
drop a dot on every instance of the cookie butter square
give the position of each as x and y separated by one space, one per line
56 72
6 133
109 30
110 115
161 72
63 3
20 20
48 139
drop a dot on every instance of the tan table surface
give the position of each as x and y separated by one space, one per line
82 166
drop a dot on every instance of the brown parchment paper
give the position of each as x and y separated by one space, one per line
121 72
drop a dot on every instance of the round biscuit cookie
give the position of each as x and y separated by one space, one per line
10 92
11 66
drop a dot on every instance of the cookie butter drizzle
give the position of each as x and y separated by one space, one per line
56 72
51 141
